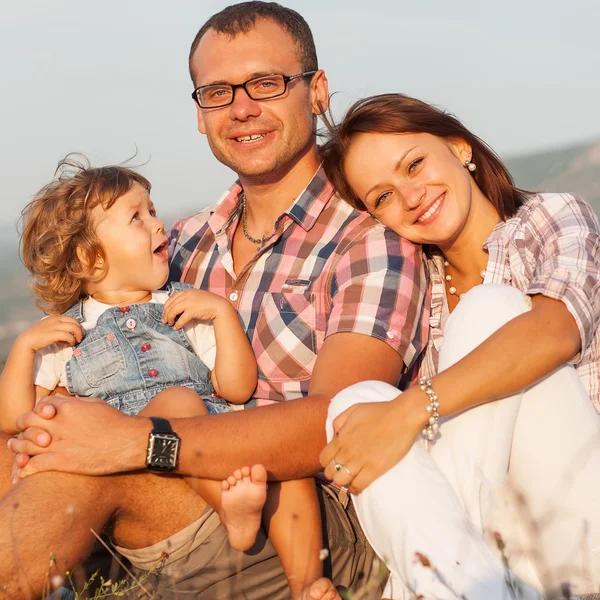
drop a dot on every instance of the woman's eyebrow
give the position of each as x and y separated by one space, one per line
396 167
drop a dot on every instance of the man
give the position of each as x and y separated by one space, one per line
327 296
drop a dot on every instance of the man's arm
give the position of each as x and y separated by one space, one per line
90 437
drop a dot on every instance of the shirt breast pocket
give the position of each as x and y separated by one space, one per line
285 337
100 359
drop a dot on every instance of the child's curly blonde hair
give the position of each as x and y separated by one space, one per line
59 245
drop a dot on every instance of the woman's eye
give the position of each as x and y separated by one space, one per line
381 199
414 164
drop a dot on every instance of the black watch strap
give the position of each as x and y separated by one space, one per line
161 425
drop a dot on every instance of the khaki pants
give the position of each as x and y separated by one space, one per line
212 570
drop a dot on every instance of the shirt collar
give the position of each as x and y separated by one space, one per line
305 210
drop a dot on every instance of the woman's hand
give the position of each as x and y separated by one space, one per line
53 329
371 438
187 305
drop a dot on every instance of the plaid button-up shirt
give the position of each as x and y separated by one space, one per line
327 269
550 247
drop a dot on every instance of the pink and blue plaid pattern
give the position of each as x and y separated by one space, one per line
550 247
328 269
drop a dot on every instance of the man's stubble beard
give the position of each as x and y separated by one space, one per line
277 167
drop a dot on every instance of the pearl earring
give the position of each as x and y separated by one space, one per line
470 165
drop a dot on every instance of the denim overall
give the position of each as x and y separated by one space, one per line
131 355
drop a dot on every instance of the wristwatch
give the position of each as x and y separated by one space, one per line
163 447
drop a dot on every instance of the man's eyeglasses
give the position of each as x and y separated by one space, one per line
264 87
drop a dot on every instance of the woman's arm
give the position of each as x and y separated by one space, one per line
18 393
234 376
374 437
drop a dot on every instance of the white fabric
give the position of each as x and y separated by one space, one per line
50 363
526 466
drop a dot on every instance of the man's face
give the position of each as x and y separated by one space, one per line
282 128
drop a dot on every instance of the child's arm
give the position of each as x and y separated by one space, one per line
235 374
17 390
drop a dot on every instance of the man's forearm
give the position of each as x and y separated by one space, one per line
285 437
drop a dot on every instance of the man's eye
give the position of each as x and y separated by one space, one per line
414 164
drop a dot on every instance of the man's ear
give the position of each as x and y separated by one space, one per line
461 149
201 125
319 93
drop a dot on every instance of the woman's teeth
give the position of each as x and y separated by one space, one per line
250 138
430 212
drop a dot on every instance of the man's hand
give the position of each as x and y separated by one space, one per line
187 305
75 435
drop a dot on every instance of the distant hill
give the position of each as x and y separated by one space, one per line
569 169
573 168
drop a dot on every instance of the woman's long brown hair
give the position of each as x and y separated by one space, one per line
397 113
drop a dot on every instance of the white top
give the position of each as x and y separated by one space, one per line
50 363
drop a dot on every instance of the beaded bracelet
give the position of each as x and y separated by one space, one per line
432 427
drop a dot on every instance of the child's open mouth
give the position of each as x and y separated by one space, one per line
162 251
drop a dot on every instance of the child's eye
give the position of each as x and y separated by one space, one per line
152 212
136 217
414 164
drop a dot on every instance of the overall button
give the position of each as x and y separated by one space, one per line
145 347
152 372
110 337
130 323
77 352
233 296
125 309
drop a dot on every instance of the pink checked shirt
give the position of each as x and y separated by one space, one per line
550 247
328 269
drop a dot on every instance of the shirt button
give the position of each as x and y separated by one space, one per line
130 323
152 372
125 309
390 334
145 347
233 296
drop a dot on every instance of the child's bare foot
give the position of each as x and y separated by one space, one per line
243 497
321 589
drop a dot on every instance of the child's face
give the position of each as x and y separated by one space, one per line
134 242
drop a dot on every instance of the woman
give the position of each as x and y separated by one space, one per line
508 461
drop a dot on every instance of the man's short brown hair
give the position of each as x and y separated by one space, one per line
59 245
241 18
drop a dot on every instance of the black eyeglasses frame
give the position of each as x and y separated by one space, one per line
236 86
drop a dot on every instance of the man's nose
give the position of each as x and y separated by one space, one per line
243 107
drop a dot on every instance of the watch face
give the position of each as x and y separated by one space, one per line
163 451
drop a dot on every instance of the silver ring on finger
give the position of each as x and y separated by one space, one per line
337 466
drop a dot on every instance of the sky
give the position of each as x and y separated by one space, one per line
110 78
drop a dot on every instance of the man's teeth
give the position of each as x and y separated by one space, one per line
433 208
250 138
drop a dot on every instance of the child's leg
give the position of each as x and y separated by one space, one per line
179 403
293 522
239 502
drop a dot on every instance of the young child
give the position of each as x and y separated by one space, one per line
98 254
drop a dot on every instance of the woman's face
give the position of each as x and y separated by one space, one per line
414 183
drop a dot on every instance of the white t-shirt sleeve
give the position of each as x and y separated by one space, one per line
201 336
50 366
